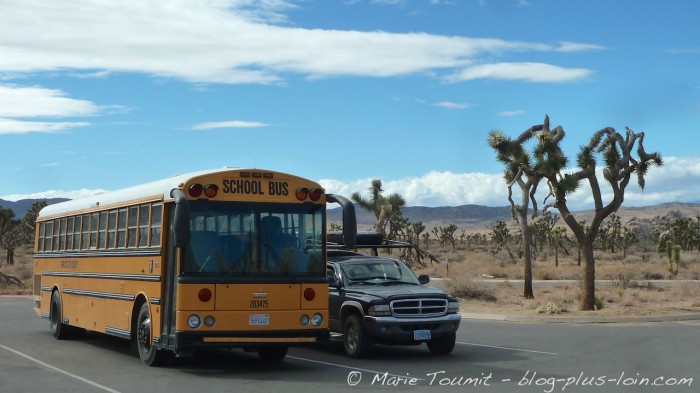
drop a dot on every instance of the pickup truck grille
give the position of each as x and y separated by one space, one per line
418 307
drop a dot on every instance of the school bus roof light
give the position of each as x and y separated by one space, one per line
210 190
302 193
315 194
196 190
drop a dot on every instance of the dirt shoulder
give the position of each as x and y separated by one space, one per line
558 303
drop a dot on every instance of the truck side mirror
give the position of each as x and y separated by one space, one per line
423 279
333 280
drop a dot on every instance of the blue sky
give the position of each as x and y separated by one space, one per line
100 95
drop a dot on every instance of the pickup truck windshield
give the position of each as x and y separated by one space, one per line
378 272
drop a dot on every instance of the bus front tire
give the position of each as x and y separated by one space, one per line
272 354
149 354
58 328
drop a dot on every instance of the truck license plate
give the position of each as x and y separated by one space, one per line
260 320
423 334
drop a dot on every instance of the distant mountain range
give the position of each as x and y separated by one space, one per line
482 218
476 216
470 217
22 206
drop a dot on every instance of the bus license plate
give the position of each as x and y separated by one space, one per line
260 320
423 334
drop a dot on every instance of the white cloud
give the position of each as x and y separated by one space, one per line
20 105
530 72
432 189
53 194
678 180
18 101
11 126
453 105
229 124
565 46
511 113
226 41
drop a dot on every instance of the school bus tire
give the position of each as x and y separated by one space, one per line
58 328
272 354
148 353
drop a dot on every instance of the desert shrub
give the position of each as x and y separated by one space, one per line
465 288
634 259
622 280
648 275
549 308
544 274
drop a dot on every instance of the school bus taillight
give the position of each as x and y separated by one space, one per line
309 294
315 194
196 190
210 190
204 295
302 193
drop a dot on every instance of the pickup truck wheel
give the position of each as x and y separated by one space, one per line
442 345
357 343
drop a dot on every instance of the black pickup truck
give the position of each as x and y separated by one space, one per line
376 299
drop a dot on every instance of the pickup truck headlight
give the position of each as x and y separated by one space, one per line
379 310
453 307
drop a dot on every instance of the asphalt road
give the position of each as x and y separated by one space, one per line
490 357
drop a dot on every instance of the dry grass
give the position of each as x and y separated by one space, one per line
480 278
22 269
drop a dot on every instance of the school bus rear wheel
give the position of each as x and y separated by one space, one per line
58 329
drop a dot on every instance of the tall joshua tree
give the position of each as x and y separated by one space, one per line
521 169
617 152
382 207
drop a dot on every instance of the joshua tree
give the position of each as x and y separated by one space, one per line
382 207
500 235
617 153
527 174
550 163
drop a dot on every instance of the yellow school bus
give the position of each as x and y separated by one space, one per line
220 258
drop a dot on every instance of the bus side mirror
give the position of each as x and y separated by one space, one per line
349 219
181 222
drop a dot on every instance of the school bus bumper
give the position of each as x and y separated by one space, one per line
187 341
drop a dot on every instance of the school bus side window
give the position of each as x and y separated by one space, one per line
48 235
133 226
94 220
85 233
102 232
157 212
144 218
111 228
54 242
121 228
42 234
77 232
69 233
